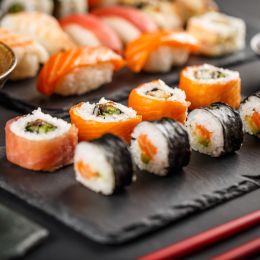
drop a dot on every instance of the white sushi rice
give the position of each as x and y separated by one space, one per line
204 118
18 126
177 94
247 109
85 111
230 75
160 162
162 59
94 156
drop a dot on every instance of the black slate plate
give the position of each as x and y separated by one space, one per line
17 234
150 203
23 96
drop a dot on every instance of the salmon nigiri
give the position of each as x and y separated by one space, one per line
78 71
29 54
159 51
41 27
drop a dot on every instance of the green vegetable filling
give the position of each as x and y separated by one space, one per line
16 8
40 126
145 159
203 141
107 109
255 130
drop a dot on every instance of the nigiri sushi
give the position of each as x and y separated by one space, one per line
159 51
29 54
250 114
218 33
215 130
206 84
64 8
160 147
91 31
41 27
104 165
78 71
127 22
155 100
95 120
40 142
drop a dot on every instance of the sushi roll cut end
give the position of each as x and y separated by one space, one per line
104 165
160 147
250 114
40 142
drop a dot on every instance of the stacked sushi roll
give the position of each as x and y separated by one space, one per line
250 114
155 100
219 34
206 84
215 130
160 147
95 120
40 142
104 165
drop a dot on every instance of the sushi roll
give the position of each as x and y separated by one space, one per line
91 31
215 130
129 23
68 7
15 6
206 84
95 120
250 114
104 165
155 100
218 33
40 27
160 147
40 142
29 54
80 70
159 51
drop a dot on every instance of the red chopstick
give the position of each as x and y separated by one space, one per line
242 252
205 239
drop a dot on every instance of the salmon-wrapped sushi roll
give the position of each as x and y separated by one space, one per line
95 120
41 27
40 142
155 100
29 54
207 84
78 71
159 51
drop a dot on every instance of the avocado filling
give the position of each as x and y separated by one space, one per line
145 158
209 74
16 8
107 109
254 123
40 126
158 93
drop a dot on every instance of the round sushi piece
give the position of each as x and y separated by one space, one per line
215 130
159 51
160 147
250 114
95 120
206 84
104 165
79 71
40 142
155 100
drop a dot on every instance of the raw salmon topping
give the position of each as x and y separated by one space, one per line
148 150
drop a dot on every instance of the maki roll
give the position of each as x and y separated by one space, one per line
79 71
29 54
206 84
218 33
155 100
95 120
160 147
250 114
159 51
104 165
40 142
215 130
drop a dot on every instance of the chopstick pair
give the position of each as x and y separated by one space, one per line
207 238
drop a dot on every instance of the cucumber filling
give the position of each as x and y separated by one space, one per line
40 126
107 109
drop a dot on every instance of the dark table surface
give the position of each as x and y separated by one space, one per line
64 243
